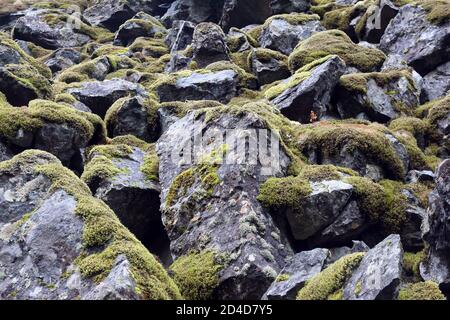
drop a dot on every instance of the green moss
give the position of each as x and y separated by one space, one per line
150 167
331 280
396 204
340 17
197 274
65 98
412 125
298 77
99 169
336 42
315 173
418 159
292 18
255 32
282 277
369 139
357 82
150 47
132 141
438 110
182 108
245 79
438 11
411 263
104 237
284 192
111 151
428 290
180 186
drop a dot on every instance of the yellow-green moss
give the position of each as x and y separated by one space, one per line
104 237
330 280
245 78
292 18
336 42
284 192
396 204
98 169
197 274
150 167
151 47
325 172
340 17
282 277
132 141
411 263
438 11
428 290
415 126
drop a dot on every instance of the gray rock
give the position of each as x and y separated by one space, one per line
282 36
320 209
313 93
411 231
424 45
379 273
180 35
209 44
337 253
112 14
100 95
268 70
288 6
420 176
132 117
224 217
141 25
303 266
34 28
436 84
5 152
196 11
220 86
381 103
62 59
379 17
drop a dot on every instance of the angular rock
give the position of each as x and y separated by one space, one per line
196 11
34 28
269 66
141 25
420 176
377 18
283 33
424 44
379 96
210 210
180 35
209 44
436 84
220 86
112 14
302 267
100 95
43 233
62 59
325 203
133 116
309 90
379 273
5 152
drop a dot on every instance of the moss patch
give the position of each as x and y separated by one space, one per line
336 42
428 290
331 280
197 274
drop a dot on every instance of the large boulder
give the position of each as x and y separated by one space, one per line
62 59
379 273
241 13
100 95
210 205
283 32
59 242
180 35
378 96
220 86
141 25
136 116
55 128
419 36
268 65
209 44
52 30
196 11
308 90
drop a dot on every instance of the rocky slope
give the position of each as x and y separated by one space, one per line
322 171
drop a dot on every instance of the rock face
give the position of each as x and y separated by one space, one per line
44 243
203 207
424 44
220 86
378 18
379 273
313 94
241 13
100 95
269 66
292 278
209 44
288 6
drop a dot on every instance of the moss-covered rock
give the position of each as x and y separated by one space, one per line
428 290
330 281
335 42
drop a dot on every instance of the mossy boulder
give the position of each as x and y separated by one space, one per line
209 44
268 65
283 32
421 291
335 42
97 253
377 96
141 25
